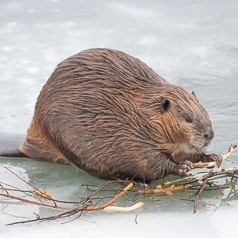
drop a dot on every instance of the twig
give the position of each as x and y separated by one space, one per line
86 207
39 192
50 218
164 190
116 198
198 195
209 177
34 202
213 163
136 218
124 209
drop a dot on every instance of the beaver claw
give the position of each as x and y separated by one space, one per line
139 184
217 158
184 167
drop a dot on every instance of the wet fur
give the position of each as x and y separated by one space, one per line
101 111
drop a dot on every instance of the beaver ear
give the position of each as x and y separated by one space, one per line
193 93
165 104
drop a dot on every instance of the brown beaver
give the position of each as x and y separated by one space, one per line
111 115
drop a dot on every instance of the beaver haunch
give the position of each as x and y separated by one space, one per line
113 116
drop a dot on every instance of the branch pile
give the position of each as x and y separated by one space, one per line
96 202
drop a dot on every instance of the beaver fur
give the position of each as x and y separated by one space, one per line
111 115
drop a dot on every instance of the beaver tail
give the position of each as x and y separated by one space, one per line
10 143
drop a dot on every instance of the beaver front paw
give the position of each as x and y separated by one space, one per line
184 167
214 157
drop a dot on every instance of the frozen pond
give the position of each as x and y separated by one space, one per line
192 43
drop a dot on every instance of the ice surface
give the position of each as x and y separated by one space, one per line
192 43
171 225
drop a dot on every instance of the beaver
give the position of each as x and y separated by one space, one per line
111 115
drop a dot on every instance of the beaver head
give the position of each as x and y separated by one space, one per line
184 126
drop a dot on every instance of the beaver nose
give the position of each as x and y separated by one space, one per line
209 133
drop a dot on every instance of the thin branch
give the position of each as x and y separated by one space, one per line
116 198
213 163
33 202
79 211
198 194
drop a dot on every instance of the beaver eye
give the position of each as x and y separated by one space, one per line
188 119
165 105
